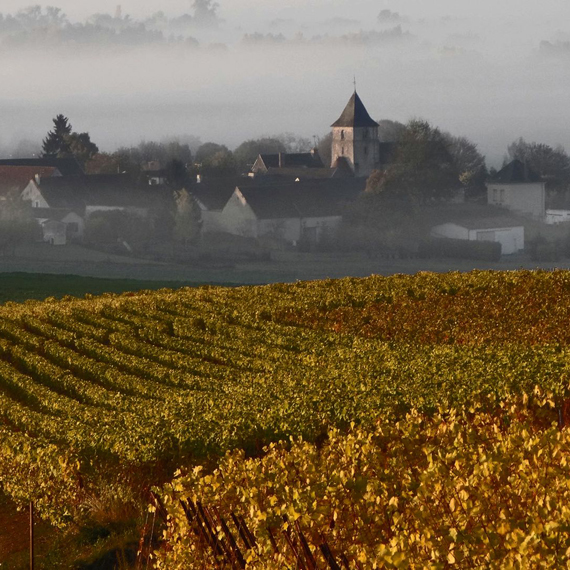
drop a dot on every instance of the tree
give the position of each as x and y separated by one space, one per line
17 225
102 163
187 219
551 163
390 131
325 148
176 173
205 12
469 163
81 147
246 153
56 144
209 149
423 168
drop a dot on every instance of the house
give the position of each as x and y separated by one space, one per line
291 211
284 160
73 199
519 189
506 231
211 195
88 194
13 179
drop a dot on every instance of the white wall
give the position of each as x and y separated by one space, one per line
511 238
32 194
141 212
238 218
557 216
528 199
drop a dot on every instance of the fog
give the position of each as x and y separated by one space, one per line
491 73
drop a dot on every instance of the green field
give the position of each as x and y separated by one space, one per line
23 286
102 399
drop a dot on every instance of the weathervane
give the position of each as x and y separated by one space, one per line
355 83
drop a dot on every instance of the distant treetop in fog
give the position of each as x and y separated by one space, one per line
37 26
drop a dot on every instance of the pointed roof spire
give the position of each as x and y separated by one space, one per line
355 114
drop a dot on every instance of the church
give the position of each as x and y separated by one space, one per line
355 140
356 150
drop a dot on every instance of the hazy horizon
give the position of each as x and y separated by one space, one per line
484 71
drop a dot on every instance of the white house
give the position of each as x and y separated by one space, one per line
518 188
290 212
509 233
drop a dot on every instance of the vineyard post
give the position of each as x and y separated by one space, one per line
31 535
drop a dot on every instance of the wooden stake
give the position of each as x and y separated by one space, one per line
31 535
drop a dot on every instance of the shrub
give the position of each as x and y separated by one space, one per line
459 248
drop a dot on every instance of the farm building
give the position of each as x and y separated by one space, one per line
509 233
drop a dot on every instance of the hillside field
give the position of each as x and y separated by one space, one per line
412 421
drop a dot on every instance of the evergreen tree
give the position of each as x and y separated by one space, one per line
56 143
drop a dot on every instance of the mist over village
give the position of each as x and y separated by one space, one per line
284 284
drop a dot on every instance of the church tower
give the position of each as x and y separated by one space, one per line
355 138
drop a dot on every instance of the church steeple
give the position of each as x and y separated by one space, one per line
355 115
355 138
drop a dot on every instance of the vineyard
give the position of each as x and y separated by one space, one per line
421 419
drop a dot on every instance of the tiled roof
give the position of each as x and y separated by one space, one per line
312 198
16 178
66 166
109 190
292 160
516 172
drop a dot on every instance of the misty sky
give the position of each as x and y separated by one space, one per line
475 69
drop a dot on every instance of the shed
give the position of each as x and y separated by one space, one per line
507 232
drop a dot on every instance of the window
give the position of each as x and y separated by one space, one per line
495 195
342 136
342 151
501 195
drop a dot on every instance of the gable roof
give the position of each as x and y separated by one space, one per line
16 178
516 172
214 193
109 190
355 115
292 160
66 166
309 199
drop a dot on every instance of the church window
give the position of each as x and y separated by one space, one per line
342 136
342 151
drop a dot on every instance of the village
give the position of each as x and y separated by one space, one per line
284 201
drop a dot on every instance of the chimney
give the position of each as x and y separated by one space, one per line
38 179
281 160
198 178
